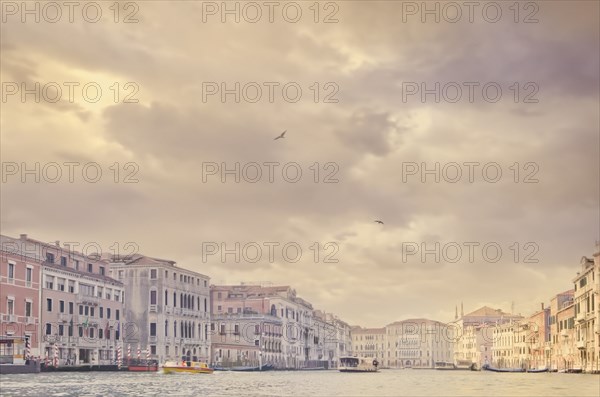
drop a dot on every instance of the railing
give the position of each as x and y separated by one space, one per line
580 344
153 308
9 318
64 317
82 298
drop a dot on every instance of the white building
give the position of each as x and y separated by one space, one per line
167 308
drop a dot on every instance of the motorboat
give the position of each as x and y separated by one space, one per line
358 364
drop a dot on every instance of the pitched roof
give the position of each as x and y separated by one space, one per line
487 311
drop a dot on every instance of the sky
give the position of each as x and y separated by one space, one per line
149 141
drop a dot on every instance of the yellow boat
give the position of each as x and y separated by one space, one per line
189 367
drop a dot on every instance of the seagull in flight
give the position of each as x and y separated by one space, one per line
378 221
281 136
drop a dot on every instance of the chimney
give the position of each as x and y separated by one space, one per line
23 236
57 243
542 306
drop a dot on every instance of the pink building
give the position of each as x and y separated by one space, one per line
538 338
19 302
78 308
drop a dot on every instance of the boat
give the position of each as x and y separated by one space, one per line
358 364
187 367
538 370
492 369
464 365
264 367
444 366
142 366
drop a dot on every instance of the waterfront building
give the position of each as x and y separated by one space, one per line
417 343
19 301
167 308
80 307
274 321
538 338
369 343
562 332
473 334
586 299
334 339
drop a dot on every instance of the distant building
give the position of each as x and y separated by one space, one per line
587 313
334 338
369 342
562 332
417 343
276 325
538 338
167 308
473 334
254 324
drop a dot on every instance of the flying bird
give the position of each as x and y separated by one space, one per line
281 136
379 222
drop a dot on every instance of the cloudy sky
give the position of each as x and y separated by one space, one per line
358 129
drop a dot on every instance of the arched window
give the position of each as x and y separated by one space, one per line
166 327
174 299
273 311
166 297
175 329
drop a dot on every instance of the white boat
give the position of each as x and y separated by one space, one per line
358 364
459 365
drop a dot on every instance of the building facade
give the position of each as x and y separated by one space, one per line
369 342
80 307
19 301
586 299
418 343
473 334
167 309
562 327
267 324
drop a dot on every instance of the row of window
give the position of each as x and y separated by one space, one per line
62 284
186 301
84 310
88 332
12 273
77 265
183 278
11 308
186 329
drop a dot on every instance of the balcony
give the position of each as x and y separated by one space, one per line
64 317
153 308
30 320
580 344
10 318
168 310
81 298
152 339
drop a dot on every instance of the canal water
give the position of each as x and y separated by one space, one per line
303 383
